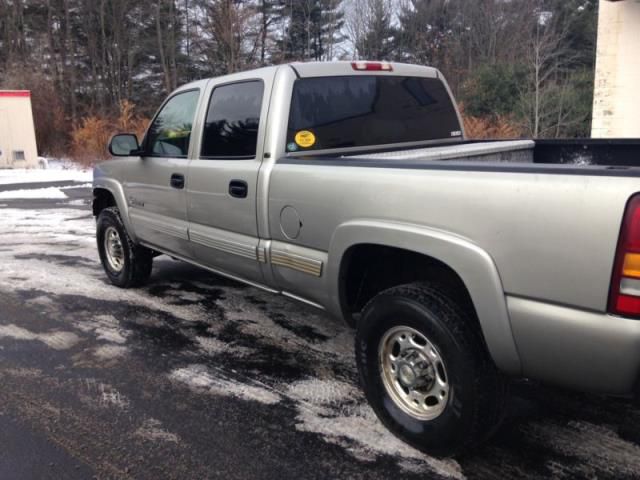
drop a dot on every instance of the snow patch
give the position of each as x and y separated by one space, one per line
77 203
42 300
151 429
56 173
325 392
213 346
200 378
103 395
358 430
82 185
56 340
110 352
105 327
23 372
111 397
39 232
50 192
111 335
336 411
260 324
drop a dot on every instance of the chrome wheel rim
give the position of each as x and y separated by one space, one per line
113 249
413 373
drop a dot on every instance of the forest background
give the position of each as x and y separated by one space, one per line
519 68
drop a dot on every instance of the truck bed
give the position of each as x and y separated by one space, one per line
579 152
520 151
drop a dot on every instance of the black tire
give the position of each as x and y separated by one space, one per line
475 401
137 260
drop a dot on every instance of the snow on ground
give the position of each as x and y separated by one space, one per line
55 340
201 379
58 171
49 192
331 408
152 429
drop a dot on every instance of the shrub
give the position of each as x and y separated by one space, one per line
89 139
493 90
491 127
130 122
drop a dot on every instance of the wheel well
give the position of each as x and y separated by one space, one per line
368 269
102 199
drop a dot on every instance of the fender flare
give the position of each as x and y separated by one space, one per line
473 265
115 188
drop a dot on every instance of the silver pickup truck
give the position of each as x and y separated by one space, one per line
351 187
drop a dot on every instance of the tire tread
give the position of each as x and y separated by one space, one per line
489 384
141 258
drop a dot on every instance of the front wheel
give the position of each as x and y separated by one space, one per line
426 370
125 263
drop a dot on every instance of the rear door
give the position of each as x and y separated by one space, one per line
155 182
222 180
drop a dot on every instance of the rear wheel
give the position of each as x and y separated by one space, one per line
426 371
125 263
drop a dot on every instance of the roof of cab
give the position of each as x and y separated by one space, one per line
325 69
230 77
340 68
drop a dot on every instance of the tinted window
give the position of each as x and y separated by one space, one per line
231 128
170 132
356 111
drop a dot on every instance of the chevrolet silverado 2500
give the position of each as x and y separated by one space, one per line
351 187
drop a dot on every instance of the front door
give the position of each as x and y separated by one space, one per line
223 179
155 185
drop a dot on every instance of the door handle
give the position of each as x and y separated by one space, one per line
177 181
238 188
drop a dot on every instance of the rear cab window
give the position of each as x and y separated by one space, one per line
369 110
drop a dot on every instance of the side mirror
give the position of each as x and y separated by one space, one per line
124 145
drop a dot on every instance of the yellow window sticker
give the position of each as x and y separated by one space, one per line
305 138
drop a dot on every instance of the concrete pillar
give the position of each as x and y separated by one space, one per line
616 103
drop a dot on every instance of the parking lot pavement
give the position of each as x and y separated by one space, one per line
195 376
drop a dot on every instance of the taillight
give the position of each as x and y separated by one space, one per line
372 66
624 298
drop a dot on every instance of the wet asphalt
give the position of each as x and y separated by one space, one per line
196 376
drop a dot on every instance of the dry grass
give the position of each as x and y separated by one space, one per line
494 127
89 139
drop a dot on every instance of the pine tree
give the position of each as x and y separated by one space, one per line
311 30
375 33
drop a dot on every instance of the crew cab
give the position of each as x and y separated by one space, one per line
350 186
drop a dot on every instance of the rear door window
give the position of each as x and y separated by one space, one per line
233 118
361 110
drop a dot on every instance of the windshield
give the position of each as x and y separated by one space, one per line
360 111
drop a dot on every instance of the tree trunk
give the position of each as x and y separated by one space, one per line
163 61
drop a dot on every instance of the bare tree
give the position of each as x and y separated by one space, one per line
369 28
547 60
231 34
166 26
